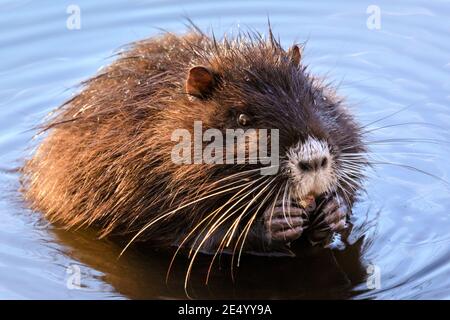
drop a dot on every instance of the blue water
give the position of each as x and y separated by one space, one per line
402 222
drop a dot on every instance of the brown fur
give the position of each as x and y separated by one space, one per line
105 159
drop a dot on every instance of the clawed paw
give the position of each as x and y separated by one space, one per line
331 218
284 224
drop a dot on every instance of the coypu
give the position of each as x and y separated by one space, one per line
105 160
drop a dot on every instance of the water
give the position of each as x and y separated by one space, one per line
402 223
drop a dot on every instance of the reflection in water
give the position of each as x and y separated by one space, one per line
141 272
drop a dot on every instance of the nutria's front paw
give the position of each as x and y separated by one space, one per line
284 226
331 218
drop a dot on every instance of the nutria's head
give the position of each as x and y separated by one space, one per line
256 84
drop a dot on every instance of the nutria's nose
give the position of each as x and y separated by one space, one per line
313 164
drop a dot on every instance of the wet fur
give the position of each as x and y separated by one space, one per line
105 161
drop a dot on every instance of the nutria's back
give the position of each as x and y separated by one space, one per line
92 167
105 160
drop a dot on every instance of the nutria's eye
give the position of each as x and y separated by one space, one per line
243 119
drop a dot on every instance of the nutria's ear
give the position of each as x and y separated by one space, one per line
200 82
296 55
